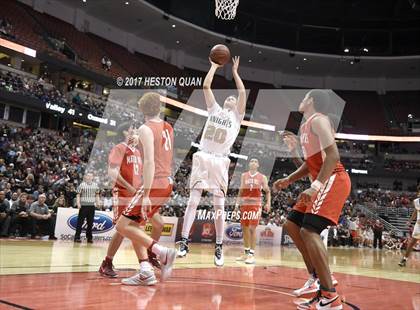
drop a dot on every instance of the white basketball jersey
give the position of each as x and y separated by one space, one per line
417 206
221 130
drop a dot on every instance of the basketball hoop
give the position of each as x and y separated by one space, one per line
226 9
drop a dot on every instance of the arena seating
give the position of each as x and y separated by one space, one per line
23 25
85 48
130 62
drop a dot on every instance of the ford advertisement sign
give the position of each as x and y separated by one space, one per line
101 223
233 233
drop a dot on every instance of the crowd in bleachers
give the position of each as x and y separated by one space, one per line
401 165
48 93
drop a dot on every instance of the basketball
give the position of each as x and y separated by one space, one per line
220 54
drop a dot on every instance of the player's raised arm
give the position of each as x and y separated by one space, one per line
208 93
239 85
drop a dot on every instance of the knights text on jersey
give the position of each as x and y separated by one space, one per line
221 130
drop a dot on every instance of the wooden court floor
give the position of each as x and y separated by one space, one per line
62 275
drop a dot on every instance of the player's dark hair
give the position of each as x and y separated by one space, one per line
323 104
321 99
125 126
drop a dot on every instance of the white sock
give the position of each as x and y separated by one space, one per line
157 249
145 266
189 216
219 219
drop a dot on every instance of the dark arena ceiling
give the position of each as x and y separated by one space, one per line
348 27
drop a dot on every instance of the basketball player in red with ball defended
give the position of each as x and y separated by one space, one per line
253 184
156 139
321 204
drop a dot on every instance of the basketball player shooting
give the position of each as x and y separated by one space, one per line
211 163
321 204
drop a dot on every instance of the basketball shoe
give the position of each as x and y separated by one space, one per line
107 269
323 301
311 286
183 248
250 259
144 277
167 259
219 260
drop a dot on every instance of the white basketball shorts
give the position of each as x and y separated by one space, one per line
210 172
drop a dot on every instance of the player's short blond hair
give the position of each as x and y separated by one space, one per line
149 104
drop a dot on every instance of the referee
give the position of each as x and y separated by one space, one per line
86 199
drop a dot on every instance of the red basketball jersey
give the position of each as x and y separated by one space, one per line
253 185
163 135
129 160
312 151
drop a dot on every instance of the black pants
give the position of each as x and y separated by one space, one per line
4 226
88 213
377 237
43 226
23 222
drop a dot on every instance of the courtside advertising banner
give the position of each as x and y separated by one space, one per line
103 229
269 235
233 233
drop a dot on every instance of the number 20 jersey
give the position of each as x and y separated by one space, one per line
221 130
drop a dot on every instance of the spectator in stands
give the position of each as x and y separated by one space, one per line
42 218
4 215
343 235
377 228
106 63
60 202
6 28
20 216
13 198
2 166
271 223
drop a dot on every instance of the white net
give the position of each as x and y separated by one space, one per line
226 9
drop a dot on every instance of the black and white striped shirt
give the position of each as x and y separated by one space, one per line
88 192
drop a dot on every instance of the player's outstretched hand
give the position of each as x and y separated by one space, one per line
213 64
235 66
290 139
281 184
